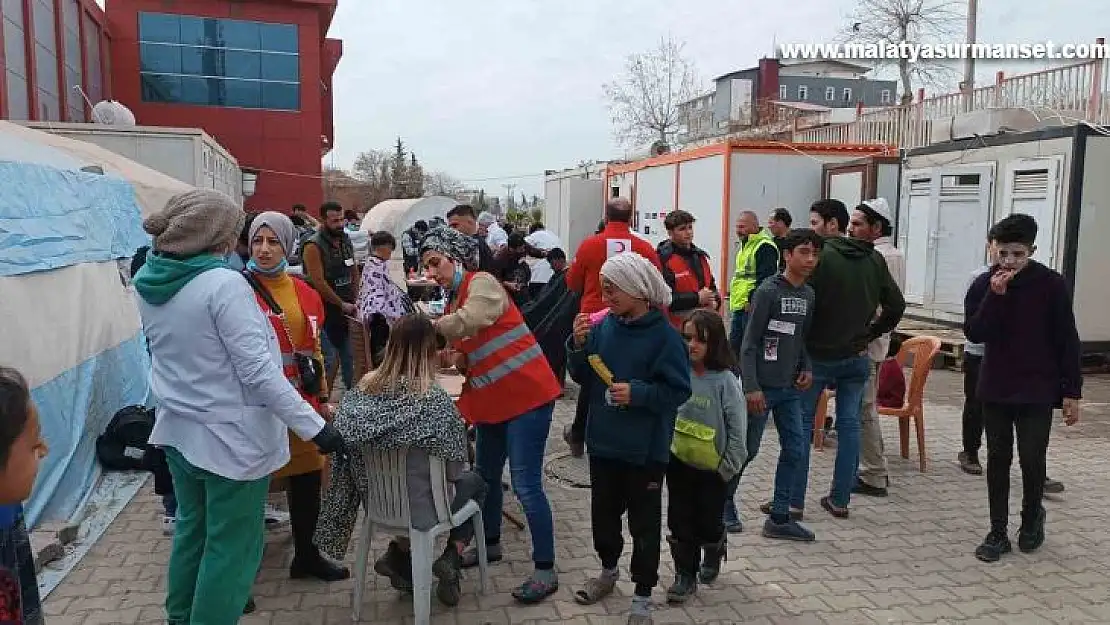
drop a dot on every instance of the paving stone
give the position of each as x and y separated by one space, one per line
907 558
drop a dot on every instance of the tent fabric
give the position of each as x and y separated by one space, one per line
52 218
152 188
396 216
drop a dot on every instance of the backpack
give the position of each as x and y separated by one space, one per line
123 446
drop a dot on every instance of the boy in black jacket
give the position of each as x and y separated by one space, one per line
1021 312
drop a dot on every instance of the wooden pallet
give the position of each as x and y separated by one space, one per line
952 340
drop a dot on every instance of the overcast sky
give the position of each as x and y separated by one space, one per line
491 90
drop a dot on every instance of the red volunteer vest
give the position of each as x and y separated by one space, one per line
313 309
686 281
507 373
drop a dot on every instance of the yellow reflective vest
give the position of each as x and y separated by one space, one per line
743 279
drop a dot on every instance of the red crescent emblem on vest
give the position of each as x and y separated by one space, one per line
620 247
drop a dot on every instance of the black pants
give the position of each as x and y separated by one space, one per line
1032 423
618 487
973 408
303 496
696 498
581 411
379 336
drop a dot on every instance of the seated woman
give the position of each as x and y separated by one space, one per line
399 405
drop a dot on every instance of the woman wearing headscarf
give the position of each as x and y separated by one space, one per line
296 313
508 394
224 404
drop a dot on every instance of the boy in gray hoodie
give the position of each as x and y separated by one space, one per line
776 369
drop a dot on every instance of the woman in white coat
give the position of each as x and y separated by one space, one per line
223 404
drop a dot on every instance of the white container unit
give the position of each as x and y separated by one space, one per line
854 181
574 202
187 154
761 176
952 193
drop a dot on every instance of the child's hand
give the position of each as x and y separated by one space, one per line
1071 411
757 403
581 329
1001 280
804 381
620 393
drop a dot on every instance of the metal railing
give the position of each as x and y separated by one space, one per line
1074 92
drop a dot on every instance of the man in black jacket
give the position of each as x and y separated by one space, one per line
464 219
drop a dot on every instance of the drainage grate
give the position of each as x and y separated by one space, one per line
570 471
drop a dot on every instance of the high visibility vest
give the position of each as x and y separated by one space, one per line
507 372
744 279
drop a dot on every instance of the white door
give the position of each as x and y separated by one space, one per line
914 217
1032 186
962 220
847 187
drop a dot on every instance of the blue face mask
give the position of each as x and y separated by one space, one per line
276 271
457 281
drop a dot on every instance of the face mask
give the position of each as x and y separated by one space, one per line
457 281
276 271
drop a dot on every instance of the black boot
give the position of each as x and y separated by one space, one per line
317 566
714 553
686 556
303 496
448 570
397 566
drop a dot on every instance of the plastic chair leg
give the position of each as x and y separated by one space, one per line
904 435
919 421
422 556
819 417
362 556
480 537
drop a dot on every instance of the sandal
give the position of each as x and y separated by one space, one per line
534 591
594 590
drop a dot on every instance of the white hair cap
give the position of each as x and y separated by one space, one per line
636 276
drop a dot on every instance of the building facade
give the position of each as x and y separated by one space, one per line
53 54
254 74
749 97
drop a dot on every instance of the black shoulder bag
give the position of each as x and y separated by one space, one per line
311 371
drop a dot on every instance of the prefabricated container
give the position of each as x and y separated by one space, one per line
952 193
715 183
573 203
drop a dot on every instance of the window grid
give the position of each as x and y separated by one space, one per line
219 62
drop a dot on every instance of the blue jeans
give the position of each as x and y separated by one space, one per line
522 441
169 504
850 377
345 355
736 332
786 405
756 425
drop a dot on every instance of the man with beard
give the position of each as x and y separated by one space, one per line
329 261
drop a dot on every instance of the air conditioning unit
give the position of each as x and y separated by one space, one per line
994 121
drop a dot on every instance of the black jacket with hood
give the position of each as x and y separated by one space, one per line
851 282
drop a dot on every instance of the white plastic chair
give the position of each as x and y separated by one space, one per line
388 510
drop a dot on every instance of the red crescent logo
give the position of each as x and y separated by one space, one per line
620 247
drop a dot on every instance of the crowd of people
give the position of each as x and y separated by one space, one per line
244 362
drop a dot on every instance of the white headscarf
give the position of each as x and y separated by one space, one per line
636 276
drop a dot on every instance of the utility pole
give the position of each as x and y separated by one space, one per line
968 84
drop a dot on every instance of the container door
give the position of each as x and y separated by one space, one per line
962 220
847 187
1032 186
914 217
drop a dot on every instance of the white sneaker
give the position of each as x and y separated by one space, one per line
169 523
275 519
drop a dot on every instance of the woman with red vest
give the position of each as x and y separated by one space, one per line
297 314
509 396
686 269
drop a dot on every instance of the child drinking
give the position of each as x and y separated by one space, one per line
21 449
708 450
638 373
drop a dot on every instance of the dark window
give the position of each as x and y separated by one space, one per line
219 62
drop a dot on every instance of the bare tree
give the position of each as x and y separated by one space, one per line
892 22
440 183
643 104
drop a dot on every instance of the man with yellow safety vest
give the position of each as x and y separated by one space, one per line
756 260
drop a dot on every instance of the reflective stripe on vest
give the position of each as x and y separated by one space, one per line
497 344
510 365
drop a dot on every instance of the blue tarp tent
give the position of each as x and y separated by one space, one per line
71 324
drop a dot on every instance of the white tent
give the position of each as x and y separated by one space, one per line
72 328
396 216
152 188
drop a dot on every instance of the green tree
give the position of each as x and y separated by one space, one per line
399 170
416 178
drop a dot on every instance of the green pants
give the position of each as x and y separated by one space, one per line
217 544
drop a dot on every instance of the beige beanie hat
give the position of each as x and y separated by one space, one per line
194 222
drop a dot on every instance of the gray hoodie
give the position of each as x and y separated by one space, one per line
717 401
774 349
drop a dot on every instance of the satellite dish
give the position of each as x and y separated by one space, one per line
112 113
659 148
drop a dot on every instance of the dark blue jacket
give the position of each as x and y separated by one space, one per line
649 354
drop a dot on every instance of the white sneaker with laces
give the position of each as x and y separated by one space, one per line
169 524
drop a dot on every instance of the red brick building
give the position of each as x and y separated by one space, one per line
47 48
254 74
